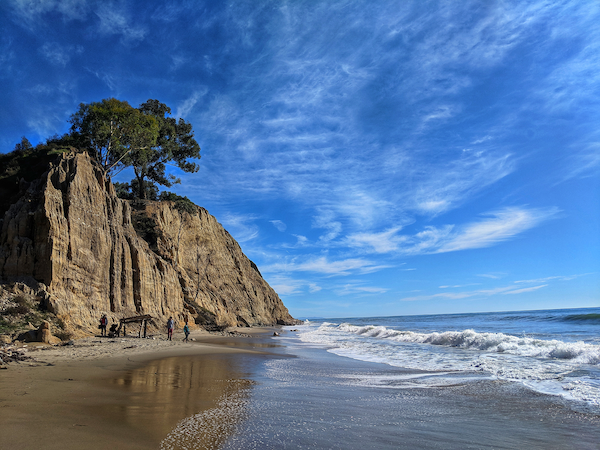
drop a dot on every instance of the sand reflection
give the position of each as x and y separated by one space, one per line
156 398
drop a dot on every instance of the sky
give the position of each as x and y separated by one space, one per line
372 158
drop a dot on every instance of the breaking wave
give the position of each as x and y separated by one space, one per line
489 342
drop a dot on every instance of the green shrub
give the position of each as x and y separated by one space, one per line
16 310
182 204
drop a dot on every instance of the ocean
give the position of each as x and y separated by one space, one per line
555 352
509 380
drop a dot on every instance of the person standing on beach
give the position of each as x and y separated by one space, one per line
186 330
170 326
103 323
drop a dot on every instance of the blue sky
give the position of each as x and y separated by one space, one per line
372 158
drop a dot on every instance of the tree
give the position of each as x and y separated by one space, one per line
24 145
175 143
143 138
102 127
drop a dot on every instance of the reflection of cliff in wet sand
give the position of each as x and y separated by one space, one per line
156 397
170 392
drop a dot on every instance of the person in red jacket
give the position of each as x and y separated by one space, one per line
103 323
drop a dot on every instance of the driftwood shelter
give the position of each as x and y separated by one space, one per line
142 320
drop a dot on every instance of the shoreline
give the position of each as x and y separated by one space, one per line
123 393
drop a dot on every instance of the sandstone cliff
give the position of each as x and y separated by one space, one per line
72 236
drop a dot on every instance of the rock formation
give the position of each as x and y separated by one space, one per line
91 253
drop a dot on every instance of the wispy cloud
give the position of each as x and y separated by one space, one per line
242 227
322 265
30 12
499 226
286 285
184 109
556 277
114 21
313 288
458 286
280 225
59 55
584 162
483 293
359 289
529 289
493 276
325 220
384 242
308 117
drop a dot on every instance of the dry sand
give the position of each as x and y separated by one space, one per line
123 393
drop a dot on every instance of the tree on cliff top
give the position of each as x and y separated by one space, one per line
175 143
144 138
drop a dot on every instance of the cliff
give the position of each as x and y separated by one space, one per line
89 252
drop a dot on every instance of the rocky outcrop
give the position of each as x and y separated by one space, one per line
72 236
42 334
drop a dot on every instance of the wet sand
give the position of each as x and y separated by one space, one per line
126 393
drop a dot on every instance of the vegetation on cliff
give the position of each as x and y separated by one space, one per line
144 138
24 165
117 136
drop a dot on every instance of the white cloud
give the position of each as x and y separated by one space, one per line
502 290
322 265
358 289
313 288
556 277
529 289
341 267
285 285
113 21
493 276
384 242
281 226
584 163
502 225
458 286
241 227
59 55
184 109
443 187
482 140
326 221
30 12
302 240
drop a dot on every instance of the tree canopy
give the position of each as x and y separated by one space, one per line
144 138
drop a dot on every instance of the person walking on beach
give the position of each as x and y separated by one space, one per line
170 326
186 330
103 323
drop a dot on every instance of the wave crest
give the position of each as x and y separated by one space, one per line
487 342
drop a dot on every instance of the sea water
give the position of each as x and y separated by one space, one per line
508 380
551 351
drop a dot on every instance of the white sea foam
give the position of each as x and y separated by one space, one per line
490 342
551 366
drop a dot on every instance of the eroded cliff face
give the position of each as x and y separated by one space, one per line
72 235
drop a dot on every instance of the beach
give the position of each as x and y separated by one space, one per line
122 393
259 391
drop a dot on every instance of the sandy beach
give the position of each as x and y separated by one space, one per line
124 393
256 391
